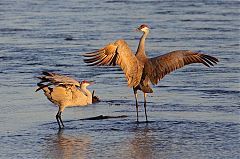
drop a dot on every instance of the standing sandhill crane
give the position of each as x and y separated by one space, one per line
140 70
65 92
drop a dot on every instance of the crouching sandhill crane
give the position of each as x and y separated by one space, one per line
65 92
140 70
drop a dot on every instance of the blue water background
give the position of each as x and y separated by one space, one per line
194 111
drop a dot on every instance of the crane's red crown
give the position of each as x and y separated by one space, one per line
143 26
84 81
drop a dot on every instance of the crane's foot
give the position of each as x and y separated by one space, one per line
137 121
61 127
147 120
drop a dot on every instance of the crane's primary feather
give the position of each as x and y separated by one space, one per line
156 68
57 79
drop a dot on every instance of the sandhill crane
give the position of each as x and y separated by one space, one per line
140 70
65 92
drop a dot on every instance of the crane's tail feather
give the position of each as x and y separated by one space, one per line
95 99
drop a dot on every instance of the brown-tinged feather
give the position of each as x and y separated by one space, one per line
156 68
117 53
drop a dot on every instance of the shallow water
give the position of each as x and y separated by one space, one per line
194 112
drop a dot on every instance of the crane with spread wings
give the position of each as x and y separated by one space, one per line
140 70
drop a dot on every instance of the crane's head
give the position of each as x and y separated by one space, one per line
86 83
143 28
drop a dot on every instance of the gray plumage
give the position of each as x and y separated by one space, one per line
140 70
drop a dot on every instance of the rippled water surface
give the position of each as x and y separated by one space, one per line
194 112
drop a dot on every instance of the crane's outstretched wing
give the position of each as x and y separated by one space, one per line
156 68
118 53
56 79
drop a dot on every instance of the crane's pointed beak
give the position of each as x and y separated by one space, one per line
92 82
137 30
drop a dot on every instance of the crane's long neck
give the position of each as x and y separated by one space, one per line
141 47
86 92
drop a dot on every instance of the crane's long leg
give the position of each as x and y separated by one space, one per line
135 95
145 106
59 119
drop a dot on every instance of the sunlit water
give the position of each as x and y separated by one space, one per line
194 112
